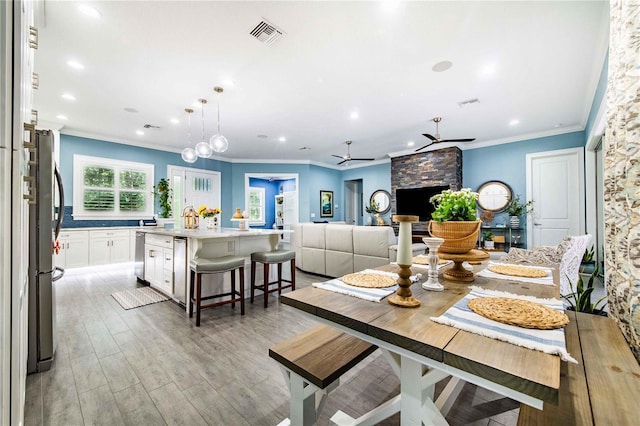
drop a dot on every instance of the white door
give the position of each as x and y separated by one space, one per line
351 202
193 187
555 182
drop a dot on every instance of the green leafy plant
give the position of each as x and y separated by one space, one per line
373 207
588 255
580 299
164 192
518 208
487 235
454 205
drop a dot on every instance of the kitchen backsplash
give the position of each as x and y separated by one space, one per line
69 222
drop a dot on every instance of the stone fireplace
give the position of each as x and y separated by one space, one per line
434 168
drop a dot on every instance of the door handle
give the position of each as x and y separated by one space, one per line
536 224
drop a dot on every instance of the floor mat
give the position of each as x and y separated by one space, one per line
136 297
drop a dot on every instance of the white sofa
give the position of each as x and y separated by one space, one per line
337 249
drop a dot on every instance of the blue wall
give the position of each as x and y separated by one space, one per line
70 145
373 178
501 162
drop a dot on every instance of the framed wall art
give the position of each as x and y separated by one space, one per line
326 203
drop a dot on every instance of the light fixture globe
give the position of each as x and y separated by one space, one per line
189 155
203 150
218 143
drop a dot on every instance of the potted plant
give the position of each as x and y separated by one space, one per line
454 220
517 208
588 263
372 209
487 236
580 299
163 191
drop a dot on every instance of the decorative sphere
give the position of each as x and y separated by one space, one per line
219 143
189 155
203 149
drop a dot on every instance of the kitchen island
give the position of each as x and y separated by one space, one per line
167 254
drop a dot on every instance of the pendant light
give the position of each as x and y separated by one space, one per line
203 149
218 142
189 154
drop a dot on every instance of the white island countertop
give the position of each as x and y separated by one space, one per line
204 233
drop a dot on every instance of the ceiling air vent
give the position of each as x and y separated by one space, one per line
266 32
468 102
151 126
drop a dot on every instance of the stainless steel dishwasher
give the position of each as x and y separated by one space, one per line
139 257
180 269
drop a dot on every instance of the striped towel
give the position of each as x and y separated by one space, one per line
420 265
547 341
548 280
370 294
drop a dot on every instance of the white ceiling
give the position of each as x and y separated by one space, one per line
375 58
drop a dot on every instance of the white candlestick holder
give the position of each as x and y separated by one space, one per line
432 282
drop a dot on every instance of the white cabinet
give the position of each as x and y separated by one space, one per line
158 262
74 249
107 247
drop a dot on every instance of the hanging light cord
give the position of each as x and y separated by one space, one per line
189 131
202 110
218 113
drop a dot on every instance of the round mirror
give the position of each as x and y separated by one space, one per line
494 196
383 200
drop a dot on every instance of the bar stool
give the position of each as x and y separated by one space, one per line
267 258
218 265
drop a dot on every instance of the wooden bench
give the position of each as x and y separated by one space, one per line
312 363
603 388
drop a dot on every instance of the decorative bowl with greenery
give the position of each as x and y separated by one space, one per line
163 191
518 208
580 299
454 205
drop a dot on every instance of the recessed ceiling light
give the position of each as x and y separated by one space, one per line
514 122
75 65
174 121
262 136
139 132
62 117
131 110
354 115
442 66
68 96
282 139
89 10
411 143
555 126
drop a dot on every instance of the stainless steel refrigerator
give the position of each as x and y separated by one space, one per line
45 221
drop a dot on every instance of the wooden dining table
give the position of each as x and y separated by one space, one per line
422 352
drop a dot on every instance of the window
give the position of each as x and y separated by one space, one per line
104 188
256 206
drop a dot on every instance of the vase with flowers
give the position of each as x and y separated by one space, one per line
454 220
210 215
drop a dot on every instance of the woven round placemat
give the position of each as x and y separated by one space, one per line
360 279
518 271
522 313
424 260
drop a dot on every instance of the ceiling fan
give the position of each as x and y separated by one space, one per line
436 138
346 158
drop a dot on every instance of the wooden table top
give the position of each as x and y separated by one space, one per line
527 371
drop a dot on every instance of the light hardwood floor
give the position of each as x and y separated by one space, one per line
152 366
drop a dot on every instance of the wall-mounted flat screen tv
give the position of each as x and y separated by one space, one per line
415 201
